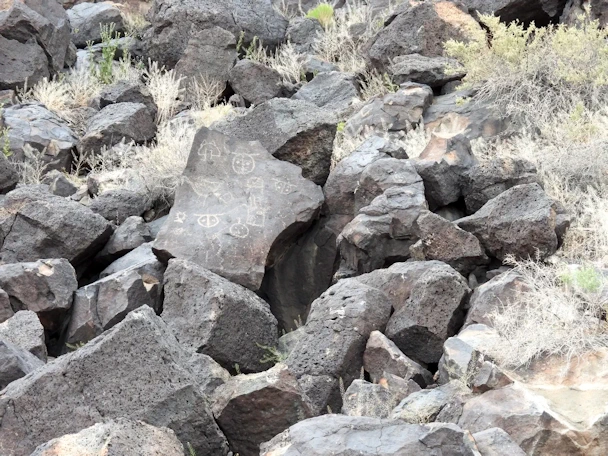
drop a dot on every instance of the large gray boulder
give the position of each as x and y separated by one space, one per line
34 41
335 91
252 409
432 71
117 437
149 380
364 436
373 399
141 255
15 362
214 316
496 442
25 331
295 131
255 82
403 34
131 234
35 126
523 221
87 19
45 287
237 209
526 11
115 123
174 22
9 178
127 92
117 205
37 225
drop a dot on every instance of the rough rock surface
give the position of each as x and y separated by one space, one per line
119 204
255 82
334 91
296 131
132 233
211 315
247 205
25 331
496 442
149 379
526 11
86 20
117 437
432 71
15 362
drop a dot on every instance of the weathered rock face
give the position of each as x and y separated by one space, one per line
115 438
496 442
211 315
441 240
15 362
339 434
295 131
210 53
86 20
382 356
247 408
397 111
175 21
523 221
131 234
245 205
302 32
115 123
6 311
334 91
127 92
34 37
119 204
332 342
102 304
25 331
420 28
142 254
44 287
432 71
37 225
9 178
149 381
540 11
59 184
574 8
372 399
255 82
35 126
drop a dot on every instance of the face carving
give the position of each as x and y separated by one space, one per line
243 164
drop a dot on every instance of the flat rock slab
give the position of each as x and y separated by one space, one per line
235 203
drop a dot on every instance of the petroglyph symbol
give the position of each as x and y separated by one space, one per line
239 230
179 231
208 220
180 217
256 216
254 182
243 163
283 187
204 187
226 197
209 151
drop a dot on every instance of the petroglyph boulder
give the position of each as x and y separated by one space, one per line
237 209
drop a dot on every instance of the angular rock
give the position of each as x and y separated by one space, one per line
210 53
37 225
382 356
502 290
397 111
443 165
208 374
419 28
9 178
364 436
115 438
6 311
312 66
149 377
246 408
15 362
44 287
441 240
335 91
431 71
32 29
127 92
333 340
131 234
295 131
369 399
523 221
539 11
302 32
87 19
59 184
255 82
489 179
383 232
432 307
442 404
35 126
120 204
102 304
141 255
237 209
496 442
175 21
24 330
115 123
211 315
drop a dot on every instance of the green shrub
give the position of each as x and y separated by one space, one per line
324 13
585 279
104 70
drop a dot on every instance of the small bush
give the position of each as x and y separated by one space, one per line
104 70
324 13
165 88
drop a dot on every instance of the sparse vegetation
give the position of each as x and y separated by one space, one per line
324 13
104 70
272 355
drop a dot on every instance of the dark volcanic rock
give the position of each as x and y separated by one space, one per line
237 209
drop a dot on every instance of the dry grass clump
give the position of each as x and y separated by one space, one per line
284 59
165 88
563 313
